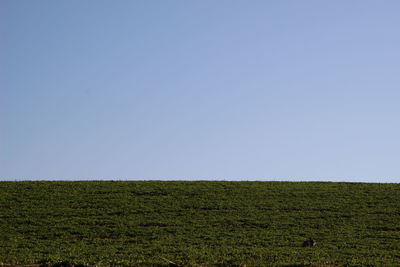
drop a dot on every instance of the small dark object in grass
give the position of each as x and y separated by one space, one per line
309 243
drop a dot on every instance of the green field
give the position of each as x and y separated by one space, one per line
126 223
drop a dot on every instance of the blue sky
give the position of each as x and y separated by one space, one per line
265 90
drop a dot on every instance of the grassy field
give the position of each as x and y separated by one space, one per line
199 223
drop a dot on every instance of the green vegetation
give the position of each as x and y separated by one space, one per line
199 223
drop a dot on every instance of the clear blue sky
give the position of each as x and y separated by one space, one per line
274 90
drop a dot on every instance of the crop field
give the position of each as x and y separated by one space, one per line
199 223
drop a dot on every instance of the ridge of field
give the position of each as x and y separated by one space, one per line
207 223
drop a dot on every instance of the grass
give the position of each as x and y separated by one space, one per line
206 223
